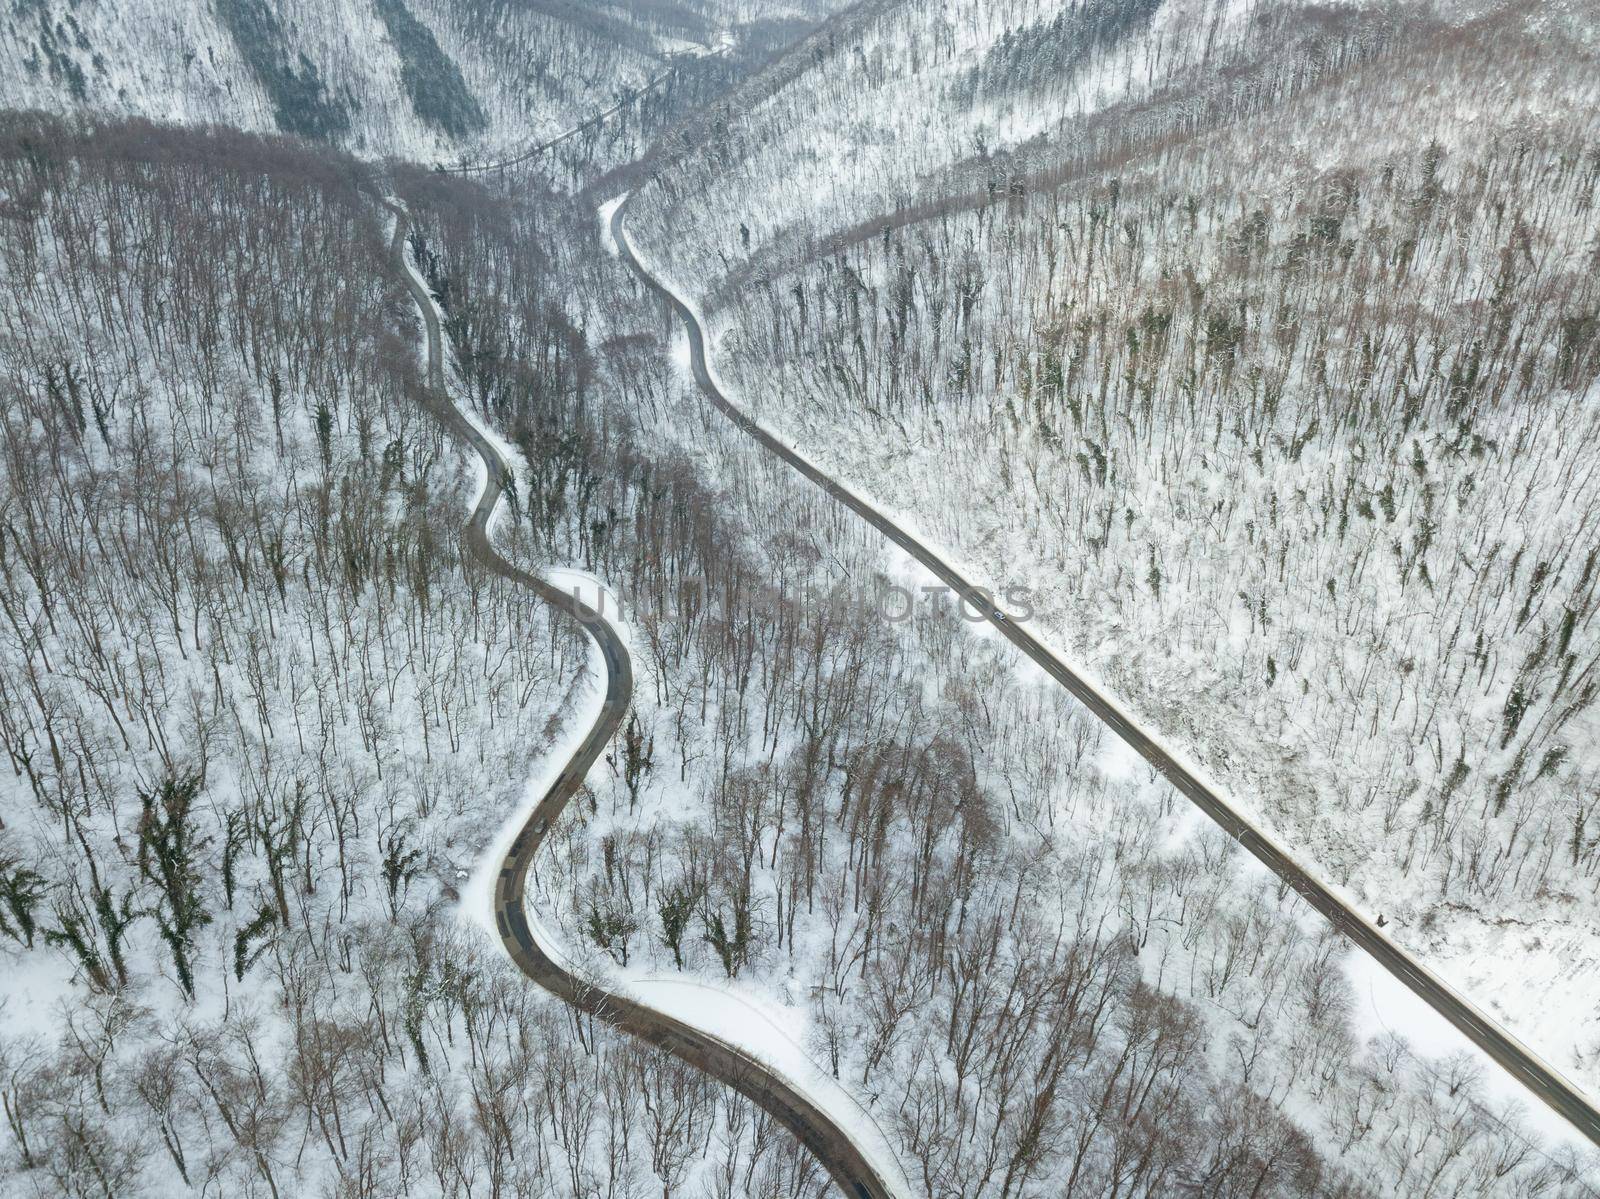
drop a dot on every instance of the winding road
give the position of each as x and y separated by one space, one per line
1538 1076
840 1156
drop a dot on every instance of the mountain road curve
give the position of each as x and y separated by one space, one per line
845 1162
1539 1077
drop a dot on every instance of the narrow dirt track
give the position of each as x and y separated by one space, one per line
840 1156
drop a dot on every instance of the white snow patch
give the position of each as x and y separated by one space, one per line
755 1027
607 210
1386 1005
1118 761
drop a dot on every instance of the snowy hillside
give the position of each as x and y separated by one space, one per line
1260 340
420 79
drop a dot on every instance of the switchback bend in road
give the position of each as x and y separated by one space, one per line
1538 1076
840 1156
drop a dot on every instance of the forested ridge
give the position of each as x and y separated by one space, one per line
421 80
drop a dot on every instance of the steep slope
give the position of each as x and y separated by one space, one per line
422 79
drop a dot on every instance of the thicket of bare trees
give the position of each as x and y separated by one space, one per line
1416 535
1277 383
258 719
1006 950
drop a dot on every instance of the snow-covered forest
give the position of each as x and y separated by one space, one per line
264 716
260 718
423 80
922 853
1278 387
1265 370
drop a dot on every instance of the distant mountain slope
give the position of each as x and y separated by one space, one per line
423 79
897 105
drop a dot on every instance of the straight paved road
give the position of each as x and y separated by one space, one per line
839 1155
1543 1080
